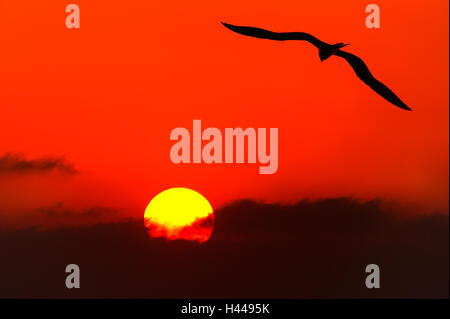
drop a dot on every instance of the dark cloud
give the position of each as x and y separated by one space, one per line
307 250
18 164
59 215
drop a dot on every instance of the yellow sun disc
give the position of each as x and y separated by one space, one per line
179 213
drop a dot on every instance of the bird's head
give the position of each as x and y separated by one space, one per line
324 54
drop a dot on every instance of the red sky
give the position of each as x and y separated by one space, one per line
107 96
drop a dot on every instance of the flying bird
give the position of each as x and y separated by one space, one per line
325 51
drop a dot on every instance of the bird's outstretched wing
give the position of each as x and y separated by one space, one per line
277 36
363 72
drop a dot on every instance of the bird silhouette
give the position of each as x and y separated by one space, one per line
326 51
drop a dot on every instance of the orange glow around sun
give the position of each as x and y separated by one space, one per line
179 213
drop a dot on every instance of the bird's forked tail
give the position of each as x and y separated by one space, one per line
329 50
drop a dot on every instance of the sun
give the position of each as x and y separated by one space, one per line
179 213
